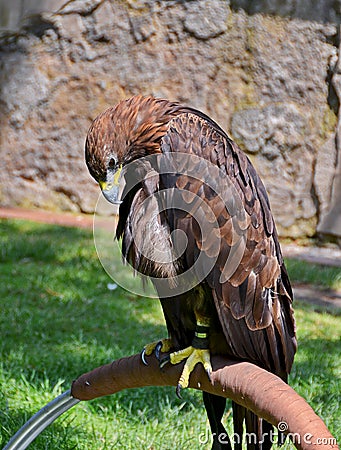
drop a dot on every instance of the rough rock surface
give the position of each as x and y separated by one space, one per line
265 74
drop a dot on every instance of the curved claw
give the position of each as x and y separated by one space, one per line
164 361
208 371
143 357
157 350
178 391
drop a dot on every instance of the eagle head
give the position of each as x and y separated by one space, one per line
121 134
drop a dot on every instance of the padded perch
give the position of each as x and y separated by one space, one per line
260 391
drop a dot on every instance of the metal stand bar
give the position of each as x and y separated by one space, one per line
42 419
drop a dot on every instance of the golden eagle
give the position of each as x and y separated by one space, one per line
193 197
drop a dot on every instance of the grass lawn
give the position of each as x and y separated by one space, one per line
59 319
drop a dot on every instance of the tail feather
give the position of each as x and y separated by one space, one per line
259 433
238 425
215 407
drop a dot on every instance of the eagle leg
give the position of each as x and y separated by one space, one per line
196 353
164 345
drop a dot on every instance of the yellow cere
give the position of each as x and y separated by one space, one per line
105 186
117 175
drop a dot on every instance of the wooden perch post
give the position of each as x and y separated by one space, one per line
260 391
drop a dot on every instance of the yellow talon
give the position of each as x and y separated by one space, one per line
166 345
193 356
196 353
179 356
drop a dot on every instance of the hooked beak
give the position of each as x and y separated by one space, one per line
110 190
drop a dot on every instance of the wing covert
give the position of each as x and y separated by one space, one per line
252 301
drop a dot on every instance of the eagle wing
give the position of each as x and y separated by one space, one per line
246 273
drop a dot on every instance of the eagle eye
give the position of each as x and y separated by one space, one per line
112 164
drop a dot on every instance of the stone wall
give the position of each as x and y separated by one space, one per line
267 74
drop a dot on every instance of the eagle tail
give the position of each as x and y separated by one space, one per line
215 407
259 433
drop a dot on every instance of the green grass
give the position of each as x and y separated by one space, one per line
318 275
58 319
